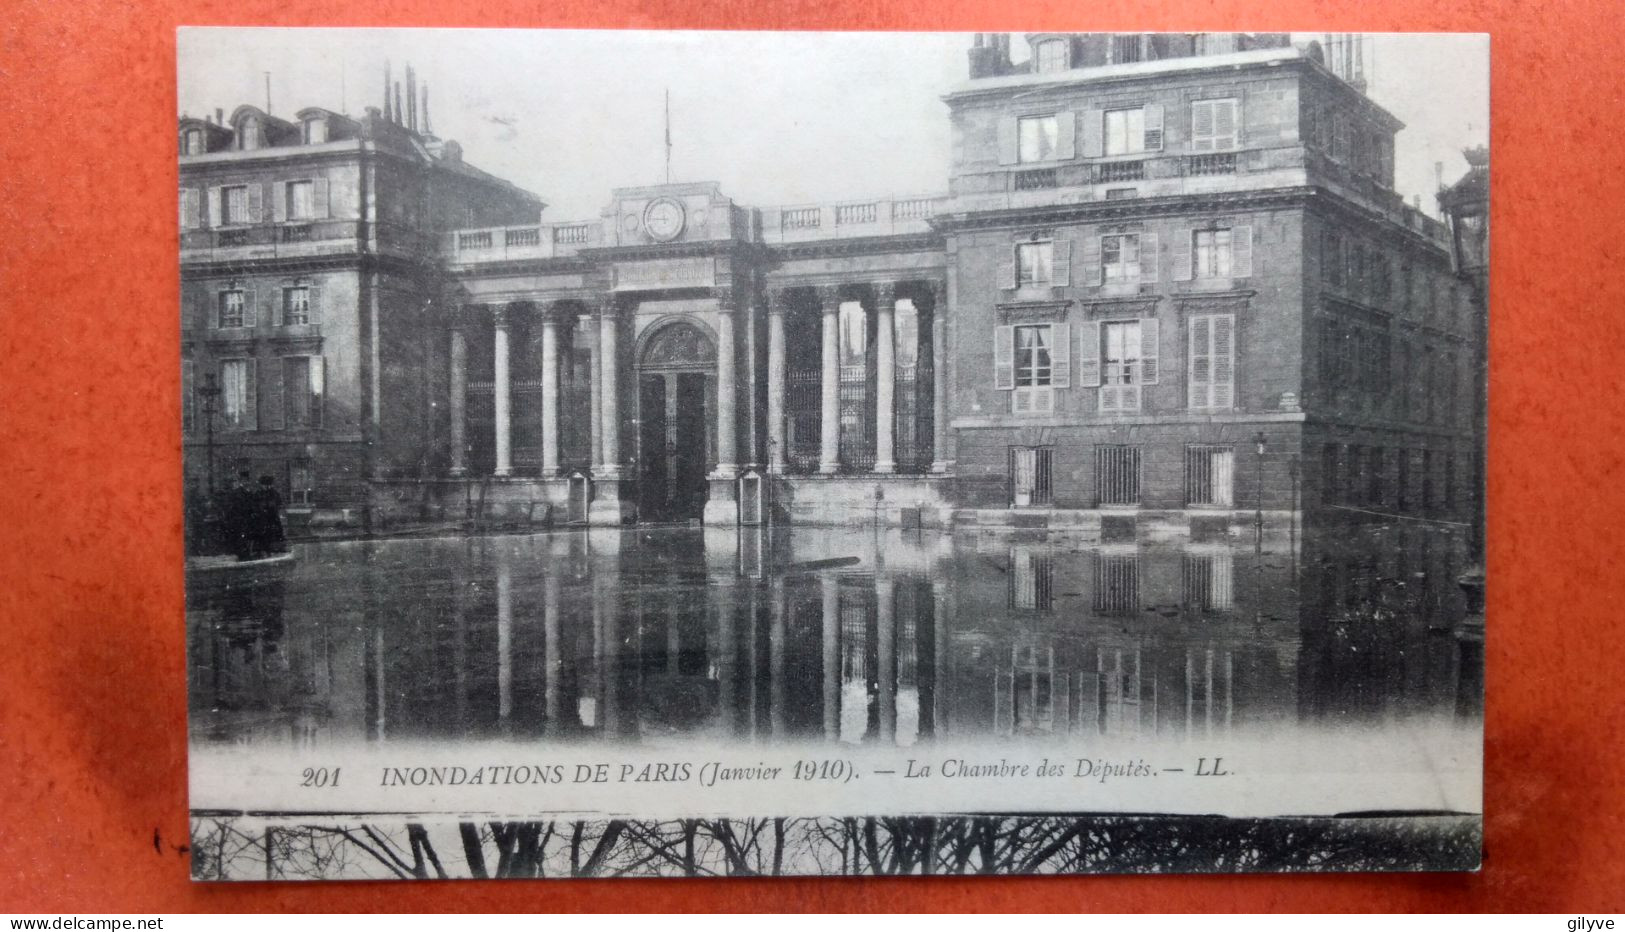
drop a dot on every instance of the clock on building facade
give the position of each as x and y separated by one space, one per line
663 219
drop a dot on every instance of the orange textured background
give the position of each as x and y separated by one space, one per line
92 688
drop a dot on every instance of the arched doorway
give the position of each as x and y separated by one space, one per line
676 392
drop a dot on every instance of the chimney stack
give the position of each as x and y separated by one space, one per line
411 99
219 117
388 83
428 130
399 113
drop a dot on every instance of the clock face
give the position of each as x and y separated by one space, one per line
663 219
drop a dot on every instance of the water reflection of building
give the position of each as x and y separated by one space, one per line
654 636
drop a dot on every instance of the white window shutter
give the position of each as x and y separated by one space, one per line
189 209
1007 268
1183 269
1008 153
1153 127
1060 356
1202 126
1091 262
319 193
1094 134
251 408
1224 360
1150 343
250 307
1199 372
256 202
318 388
1236 115
1061 263
1066 132
1089 355
313 305
278 302
1150 258
279 201
1004 358
217 203
1241 251
1111 398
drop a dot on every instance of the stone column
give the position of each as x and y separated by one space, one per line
830 590
552 658
829 446
886 653
939 380
594 416
777 454
608 402
550 396
501 391
458 402
777 614
885 379
727 393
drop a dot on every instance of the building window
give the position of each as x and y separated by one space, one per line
1128 359
314 130
1213 125
1031 361
1051 56
1125 131
1120 258
301 483
1331 257
237 393
1210 475
1033 355
1117 474
192 143
1031 469
1117 584
1038 139
233 304
301 203
1209 582
1035 263
1125 49
248 133
296 306
234 205
302 392
188 395
1212 253
1032 580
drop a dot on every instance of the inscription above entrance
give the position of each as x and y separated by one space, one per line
698 272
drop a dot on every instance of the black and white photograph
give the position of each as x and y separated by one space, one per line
662 453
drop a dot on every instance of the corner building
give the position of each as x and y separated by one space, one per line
1170 285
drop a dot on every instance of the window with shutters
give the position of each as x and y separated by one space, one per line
192 142
232 308
1214 125
1038 139
1125 131
237 393
301 392
1035 263
296 306
1120 258
1212 362
1212 254
301 200
234 205
1051 56
1121 362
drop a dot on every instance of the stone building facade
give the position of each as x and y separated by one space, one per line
1170 283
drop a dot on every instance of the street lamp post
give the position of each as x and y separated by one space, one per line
1260 440
211 395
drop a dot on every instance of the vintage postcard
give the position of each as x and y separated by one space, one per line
687 453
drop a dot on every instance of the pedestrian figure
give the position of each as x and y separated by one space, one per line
269 537
238 517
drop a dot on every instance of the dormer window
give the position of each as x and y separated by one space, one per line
192 142
248 133
1051 56
314 130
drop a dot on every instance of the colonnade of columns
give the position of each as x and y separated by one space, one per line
606 368
882 301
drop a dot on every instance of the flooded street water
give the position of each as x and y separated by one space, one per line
667 636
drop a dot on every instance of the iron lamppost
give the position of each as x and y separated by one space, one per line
1467 205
